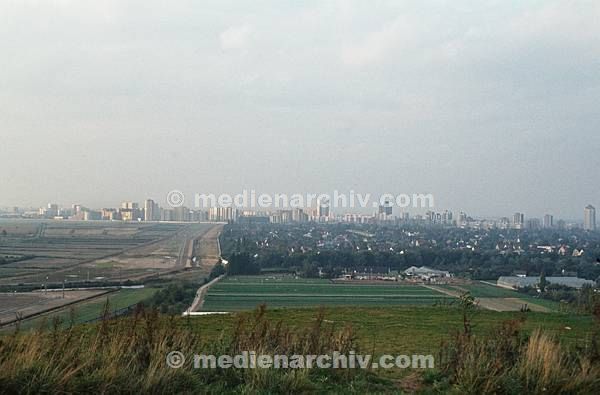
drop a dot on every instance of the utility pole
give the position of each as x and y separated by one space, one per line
64 287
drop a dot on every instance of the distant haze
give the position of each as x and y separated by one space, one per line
492 106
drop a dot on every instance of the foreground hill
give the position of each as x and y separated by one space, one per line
475 351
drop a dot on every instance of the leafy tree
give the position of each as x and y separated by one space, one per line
217 271
242 263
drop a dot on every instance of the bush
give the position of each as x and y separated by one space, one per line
174 299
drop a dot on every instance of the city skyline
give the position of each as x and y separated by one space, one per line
150 210
490 106
186 185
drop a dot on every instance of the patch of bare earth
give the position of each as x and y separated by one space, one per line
509 304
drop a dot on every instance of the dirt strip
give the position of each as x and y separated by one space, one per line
494 304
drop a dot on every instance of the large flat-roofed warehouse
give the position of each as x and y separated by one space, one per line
531 281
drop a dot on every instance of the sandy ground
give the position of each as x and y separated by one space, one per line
94 231
167 254
143 262
207 251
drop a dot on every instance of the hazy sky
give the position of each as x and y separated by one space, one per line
492 106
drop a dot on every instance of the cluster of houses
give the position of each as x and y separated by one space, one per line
508 247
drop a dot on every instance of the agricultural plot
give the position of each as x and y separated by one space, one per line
48 254
247 292
71 251
18 228
93 309
9 272
165 255
23 305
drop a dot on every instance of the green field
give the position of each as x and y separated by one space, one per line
247 292
93 309
407 329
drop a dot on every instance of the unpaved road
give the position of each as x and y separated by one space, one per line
199 299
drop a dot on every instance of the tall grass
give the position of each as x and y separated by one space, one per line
511 363
114 356
127 355
256 333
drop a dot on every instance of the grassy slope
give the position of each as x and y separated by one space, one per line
406 329
392 330
402 329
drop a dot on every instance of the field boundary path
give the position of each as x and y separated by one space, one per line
201 293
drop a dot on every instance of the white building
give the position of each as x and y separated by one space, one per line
425 273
